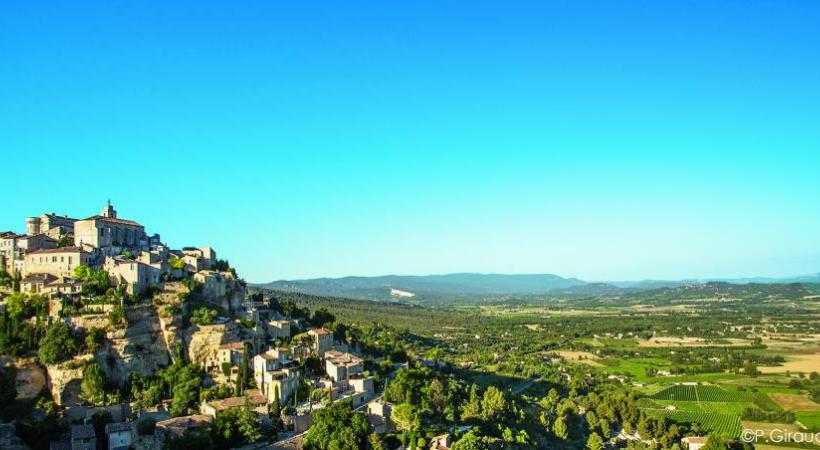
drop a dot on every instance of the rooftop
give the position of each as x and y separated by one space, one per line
58 250
233 346
38 277
114 220
82 432
193 421
342 359
117 427
253 398
320 331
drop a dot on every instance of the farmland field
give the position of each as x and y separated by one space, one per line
718 407
725 424
695 393
811 420
794 402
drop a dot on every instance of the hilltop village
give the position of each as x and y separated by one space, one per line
104 318
111 340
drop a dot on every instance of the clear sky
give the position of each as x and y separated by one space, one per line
603 140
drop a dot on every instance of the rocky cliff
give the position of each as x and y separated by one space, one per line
139 348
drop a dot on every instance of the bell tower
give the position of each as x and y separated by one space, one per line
109 211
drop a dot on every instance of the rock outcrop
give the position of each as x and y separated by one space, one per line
139 348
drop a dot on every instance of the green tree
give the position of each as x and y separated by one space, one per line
337 427
235 427
375 442
595 442
470 441
493 405
472 409
93 338
559 428
93 383
407 420
203 316
57 344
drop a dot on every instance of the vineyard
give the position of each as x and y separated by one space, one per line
715 407
717 423
695 393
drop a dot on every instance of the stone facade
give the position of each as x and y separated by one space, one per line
134 274
108 231
58 262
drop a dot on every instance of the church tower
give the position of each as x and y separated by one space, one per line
109 211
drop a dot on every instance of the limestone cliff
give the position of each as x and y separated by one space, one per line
203 341
139 348
64 380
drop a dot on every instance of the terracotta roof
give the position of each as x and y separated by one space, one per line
233 345
114 220
321 331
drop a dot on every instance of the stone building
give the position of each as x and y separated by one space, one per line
342 366
252 398
59 262
14 247
135 275
107 231
119 435
197 259
322 340
279 329
49 222
83 437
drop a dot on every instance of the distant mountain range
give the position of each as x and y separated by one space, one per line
460 286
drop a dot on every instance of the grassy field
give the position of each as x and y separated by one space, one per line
810 420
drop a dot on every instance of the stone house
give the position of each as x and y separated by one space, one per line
277 385
279 329
83 437
135 275
36 283
342 366
442 442
322 340
176 426
119 435
378 414
694 442
58 262
252 397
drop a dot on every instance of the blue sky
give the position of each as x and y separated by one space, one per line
603 140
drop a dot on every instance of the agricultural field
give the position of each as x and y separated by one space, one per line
810 420
718 423
794 402
701 393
